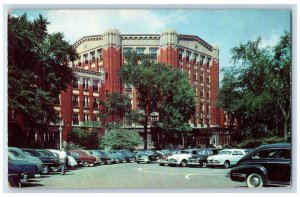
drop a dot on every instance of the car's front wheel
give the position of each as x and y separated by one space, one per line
254 180
204 164
117 160
85 164
45 170
183 163
132 159
226 164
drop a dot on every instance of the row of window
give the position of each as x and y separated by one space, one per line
86 117
86 102
86 84
141 50
195 57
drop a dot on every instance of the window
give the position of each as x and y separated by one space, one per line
75 119
85 101
99 54
208 78
85 117
208 93
180 52
201 94
75 84
140 50
127 50
85 59
195 58
95 85
92 54
272 153
201 77
202 59
75 101
188 55
208 62
153 51
95 103
85 83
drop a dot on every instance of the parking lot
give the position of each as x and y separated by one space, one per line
135 176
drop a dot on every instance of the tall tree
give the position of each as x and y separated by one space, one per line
160 89
258 87
37 69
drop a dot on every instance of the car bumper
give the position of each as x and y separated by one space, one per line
142 160
174 162
239 177
215 163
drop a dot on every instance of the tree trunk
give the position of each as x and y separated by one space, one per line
145 136
285 129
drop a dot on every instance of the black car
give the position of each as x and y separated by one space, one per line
200 159
16 176
266 165
147 156
48 161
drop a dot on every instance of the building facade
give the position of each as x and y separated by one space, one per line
101 56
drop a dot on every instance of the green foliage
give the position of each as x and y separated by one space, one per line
121 139
258 88
72 146
37 69
83 137
160 89
253 143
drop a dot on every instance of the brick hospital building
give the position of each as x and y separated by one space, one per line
96 70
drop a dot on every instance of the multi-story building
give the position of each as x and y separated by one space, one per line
96 71
100 57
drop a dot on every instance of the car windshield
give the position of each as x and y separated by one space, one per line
225 153
46 153
203 152
32 153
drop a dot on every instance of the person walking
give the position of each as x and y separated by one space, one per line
63 161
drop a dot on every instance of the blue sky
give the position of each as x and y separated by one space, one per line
224 27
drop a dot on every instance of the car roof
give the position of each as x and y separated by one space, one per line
276 145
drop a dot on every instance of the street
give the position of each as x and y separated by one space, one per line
135 176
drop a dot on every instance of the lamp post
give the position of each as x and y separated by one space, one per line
60 137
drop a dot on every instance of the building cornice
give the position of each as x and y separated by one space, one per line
87 38
195 38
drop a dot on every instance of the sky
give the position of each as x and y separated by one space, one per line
225 28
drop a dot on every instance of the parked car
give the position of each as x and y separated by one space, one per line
71 162
200 159
147 156
29 168
55 157
164 160
20 155
226 157
117 157
130 156
48 161
266 165
86 160
103 156
182 158
16 176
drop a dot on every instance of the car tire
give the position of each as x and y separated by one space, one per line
226 164
108 162
161 164
85 164
204 164
45 170
131 160
183 163
254 180
117 160
91 164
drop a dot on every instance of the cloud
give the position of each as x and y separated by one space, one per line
271 41
78 23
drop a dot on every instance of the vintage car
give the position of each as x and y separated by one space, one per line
48 161
182 158
164 160
16 176
264 166
130 156
20 155
200 159
86 160
226 157
116 157
29 168
147 156
103 156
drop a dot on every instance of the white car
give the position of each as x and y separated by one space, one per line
71 160
226 157
182 158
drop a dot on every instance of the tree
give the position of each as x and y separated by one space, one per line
257 88
159 88
83 137
121 139
114 108
37 69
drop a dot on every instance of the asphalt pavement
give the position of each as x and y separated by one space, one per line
135 176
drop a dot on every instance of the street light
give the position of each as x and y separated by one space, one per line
60 137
